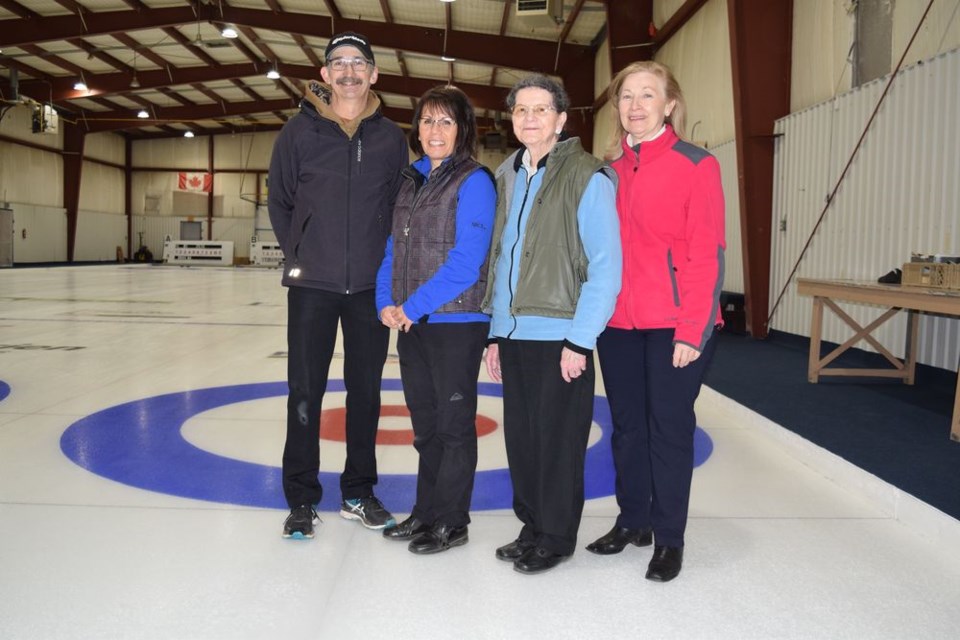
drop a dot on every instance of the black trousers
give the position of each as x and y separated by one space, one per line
546 425
651 404
312 320
439 366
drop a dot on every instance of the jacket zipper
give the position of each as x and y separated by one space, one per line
346 244
513 249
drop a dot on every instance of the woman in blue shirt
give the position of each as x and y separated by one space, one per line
429 287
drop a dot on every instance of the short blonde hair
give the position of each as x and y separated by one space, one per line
677 117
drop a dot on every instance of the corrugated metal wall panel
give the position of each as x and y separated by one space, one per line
98 236
900 195
726 155
239 230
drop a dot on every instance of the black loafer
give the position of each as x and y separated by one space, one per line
538 560
409 528
510 552
665 564
620 537
439 538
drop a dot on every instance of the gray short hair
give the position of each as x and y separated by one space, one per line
561 101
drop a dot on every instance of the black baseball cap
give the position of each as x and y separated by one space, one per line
349 39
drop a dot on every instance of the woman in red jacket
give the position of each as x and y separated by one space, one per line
659 341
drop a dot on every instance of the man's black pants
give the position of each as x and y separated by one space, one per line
312 320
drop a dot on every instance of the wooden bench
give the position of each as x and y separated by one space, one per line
896 298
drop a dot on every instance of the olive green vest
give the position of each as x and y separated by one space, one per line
553 265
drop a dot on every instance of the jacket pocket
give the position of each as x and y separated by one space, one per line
673 278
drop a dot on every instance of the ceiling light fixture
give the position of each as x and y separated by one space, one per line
273 74
188 134
80 85
134 83
143 114
229 32
448 59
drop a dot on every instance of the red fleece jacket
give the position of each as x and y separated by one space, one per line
670 204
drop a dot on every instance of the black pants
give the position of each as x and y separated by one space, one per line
312 320
651 404
546 424
439 365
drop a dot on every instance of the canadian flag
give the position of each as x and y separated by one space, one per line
195 181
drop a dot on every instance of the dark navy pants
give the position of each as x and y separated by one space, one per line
312 320
651 404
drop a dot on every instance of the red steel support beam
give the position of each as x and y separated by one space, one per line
628 32
760 41
73 139
210 193
58 89
128 194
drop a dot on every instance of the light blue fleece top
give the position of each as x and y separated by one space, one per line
476 202
600 235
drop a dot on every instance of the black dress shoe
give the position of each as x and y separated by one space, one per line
665 564
620 537
439 538
406 530
512 551
538 560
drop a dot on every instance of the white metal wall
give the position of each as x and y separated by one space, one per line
901 195
39 233
98 236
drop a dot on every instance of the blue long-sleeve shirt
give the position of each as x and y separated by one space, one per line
476 201
600 235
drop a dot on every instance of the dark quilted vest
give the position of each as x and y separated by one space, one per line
424 231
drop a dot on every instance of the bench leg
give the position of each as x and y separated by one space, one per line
955 424
910 358
816 327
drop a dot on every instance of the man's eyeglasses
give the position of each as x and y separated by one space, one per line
538 110
445 124
341 64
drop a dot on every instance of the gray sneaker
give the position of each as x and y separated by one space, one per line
369 511
299 524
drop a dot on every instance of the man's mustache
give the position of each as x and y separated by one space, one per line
349 81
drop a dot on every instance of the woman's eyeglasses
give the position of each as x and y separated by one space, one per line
538 110
341 64
445 124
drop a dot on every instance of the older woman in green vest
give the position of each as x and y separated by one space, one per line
552 285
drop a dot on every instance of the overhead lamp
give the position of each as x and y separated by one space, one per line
143 114
273 74
447 58
80 85
229 32
134 83
188 134
448 0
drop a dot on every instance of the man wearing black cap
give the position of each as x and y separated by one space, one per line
333 178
